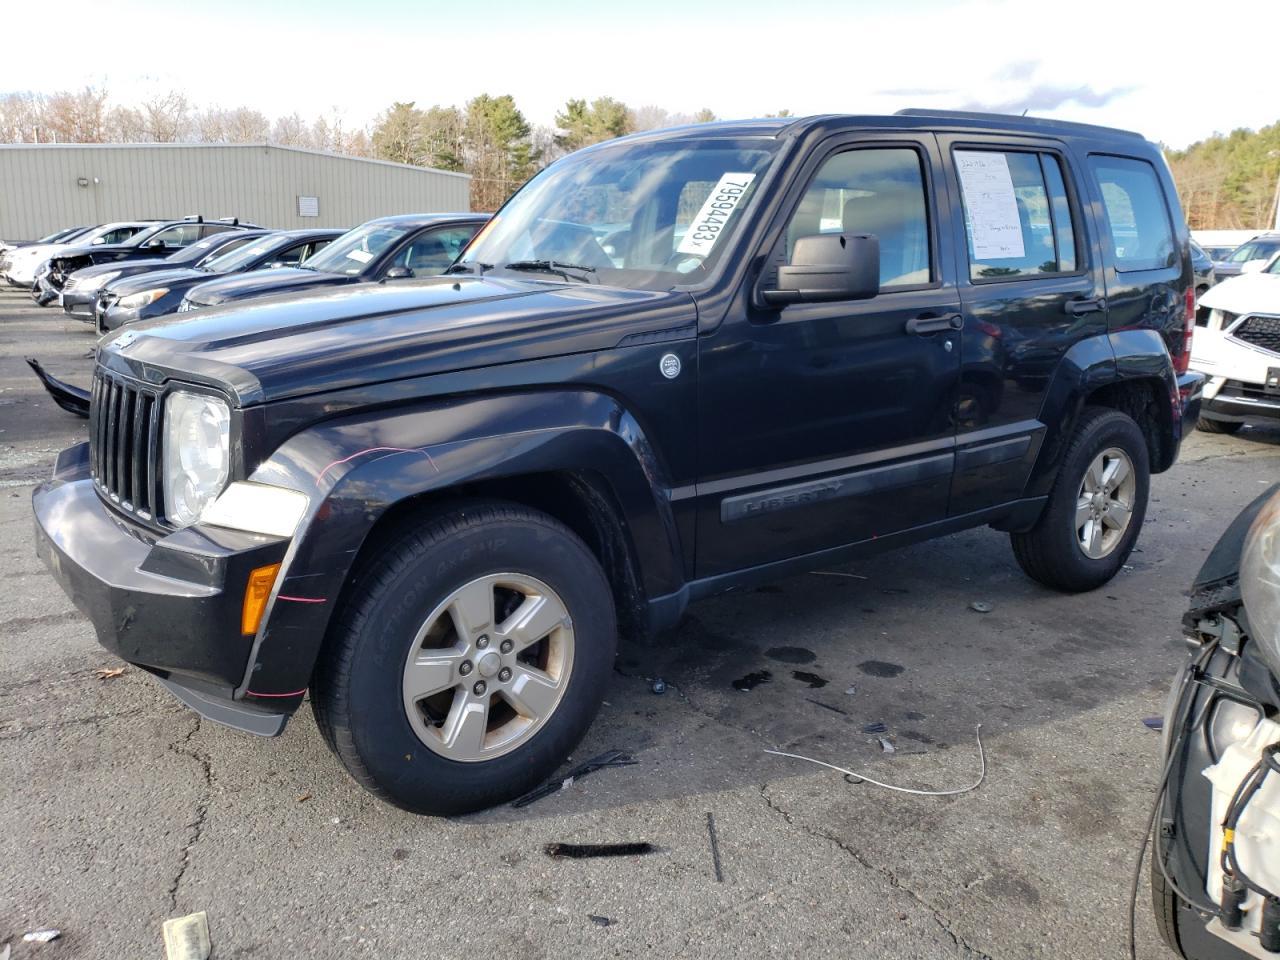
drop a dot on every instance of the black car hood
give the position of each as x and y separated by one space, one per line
174 276
372 333
262 283
124 269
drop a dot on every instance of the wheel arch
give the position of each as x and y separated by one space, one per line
576 455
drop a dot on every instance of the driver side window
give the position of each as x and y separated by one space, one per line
880 191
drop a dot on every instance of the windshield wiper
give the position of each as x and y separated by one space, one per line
466 267
553 266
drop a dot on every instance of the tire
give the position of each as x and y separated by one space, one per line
361 695
1209 425
1165 905
1052 551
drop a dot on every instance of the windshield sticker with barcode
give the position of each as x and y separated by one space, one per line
364 256
710 223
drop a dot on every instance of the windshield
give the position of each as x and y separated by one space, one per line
646 216
356 249
142 236
1254 250
241 257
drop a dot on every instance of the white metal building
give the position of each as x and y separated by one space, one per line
44 187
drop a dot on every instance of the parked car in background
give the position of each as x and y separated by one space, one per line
26 261
1202 264
1215 828
1218 253
388 248
80 292
434 504
158 293
156 241
1238 349
58 236
1249 255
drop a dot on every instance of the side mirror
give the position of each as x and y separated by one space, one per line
1253 266
829 267
398 273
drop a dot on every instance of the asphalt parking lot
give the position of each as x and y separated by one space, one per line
121 808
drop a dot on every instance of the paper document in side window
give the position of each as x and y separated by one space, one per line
991 205
712 219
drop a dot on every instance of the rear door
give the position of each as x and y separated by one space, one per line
1030 289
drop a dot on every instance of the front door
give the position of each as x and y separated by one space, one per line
825 424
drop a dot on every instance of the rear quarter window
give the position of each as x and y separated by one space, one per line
1137 214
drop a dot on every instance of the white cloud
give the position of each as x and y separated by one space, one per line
739 59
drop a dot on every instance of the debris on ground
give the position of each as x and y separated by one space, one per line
303 797
108 673
659 686
612 758
598 920
827 706
715 847
982 775
980 606
42 936
4 952
887 747
585 851
752 680
1155 723
850 691
876 727
187 938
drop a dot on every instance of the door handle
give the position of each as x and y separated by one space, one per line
1089 305
926 324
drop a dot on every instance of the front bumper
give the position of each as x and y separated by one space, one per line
1190 397
1237 400
79 303
170 604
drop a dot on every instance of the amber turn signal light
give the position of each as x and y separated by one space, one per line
256 592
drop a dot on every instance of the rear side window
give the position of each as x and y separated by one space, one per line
1137 215
1017 216
874 190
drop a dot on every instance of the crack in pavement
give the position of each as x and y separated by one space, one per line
182 748
94 719
964 947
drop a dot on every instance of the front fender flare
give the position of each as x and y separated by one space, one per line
355 469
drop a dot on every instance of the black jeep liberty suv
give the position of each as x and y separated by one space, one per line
672 364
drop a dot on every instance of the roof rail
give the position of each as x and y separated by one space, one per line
1010 120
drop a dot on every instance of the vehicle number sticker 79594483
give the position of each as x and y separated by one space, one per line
709 225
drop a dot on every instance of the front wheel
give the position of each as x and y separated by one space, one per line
1095 509
470 661
1210 425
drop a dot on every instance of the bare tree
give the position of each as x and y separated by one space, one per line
168 117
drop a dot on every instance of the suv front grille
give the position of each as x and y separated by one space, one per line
124 444
1261 332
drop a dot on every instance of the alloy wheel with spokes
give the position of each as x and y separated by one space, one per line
488 667
1104 505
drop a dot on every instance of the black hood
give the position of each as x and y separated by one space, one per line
371 333
263 283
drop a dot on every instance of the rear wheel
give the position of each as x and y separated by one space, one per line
1095 509
1209 425
470 661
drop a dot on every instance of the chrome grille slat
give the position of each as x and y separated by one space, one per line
124 444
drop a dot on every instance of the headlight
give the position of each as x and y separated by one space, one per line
1260 582
197 454
93 283
143 299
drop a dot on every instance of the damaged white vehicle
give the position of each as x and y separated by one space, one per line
1215 827
22 263
1237 346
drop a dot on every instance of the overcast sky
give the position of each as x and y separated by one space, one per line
1176 70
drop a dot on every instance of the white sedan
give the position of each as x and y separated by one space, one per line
23 262
1237 346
